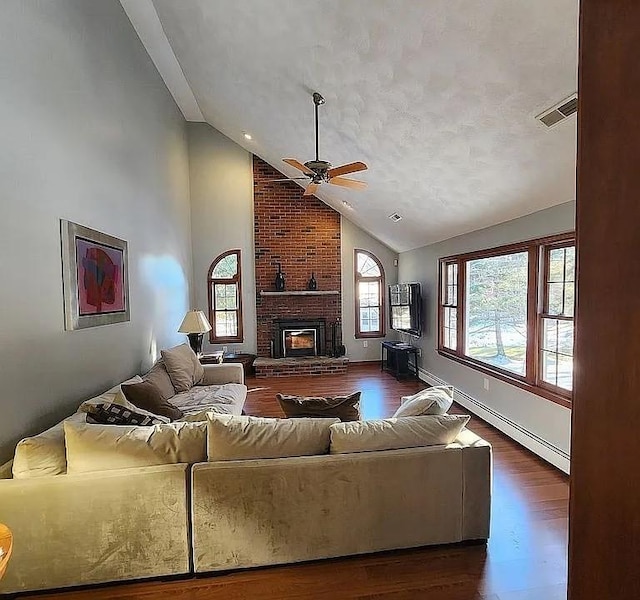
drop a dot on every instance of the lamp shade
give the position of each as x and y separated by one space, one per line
194 322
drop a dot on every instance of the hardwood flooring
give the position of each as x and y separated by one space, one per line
525 559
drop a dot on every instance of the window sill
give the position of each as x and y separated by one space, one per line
226 340
369 336
533 389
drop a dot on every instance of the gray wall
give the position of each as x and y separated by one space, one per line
541 417
355 238
221 175
89 134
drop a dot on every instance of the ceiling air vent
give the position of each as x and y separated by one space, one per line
395 217
560 112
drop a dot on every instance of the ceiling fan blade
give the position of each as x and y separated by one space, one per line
311 189
353 167
298 165
348 183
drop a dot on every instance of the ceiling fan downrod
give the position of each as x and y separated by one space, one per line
317 100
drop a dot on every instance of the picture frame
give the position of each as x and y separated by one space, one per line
95 277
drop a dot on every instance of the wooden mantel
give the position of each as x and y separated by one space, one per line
301 293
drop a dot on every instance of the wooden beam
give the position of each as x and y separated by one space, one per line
605 497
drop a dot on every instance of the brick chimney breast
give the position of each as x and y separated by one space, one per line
303 236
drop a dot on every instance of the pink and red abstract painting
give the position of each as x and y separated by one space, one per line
100 278
95 277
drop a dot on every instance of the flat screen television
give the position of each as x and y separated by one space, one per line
405 308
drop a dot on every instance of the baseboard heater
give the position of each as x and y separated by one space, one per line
533 442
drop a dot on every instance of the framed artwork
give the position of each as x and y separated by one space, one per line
95 277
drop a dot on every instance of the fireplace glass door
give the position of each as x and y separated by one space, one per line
299 342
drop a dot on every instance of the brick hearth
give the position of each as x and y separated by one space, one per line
303 365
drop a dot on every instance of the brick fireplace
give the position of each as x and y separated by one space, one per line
302 235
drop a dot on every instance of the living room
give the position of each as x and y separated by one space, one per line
115 121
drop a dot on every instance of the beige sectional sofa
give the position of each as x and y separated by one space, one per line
263 512
217 515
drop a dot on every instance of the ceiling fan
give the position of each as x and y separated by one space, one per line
321 171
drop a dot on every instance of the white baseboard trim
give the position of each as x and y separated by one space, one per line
544 449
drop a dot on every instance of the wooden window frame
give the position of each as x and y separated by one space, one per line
381 288
443 278
543 313
538 250
211 282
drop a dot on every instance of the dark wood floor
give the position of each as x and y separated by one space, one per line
525 559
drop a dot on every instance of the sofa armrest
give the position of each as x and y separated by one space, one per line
223 373
477 465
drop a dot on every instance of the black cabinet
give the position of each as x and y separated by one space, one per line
395 358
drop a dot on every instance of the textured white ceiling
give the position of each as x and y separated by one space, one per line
438 97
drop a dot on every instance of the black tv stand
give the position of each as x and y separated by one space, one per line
397 361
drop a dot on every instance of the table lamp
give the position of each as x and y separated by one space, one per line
195 325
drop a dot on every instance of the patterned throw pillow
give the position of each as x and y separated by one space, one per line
114 414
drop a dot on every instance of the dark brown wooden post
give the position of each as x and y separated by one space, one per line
604 546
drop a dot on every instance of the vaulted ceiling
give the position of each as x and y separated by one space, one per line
438 97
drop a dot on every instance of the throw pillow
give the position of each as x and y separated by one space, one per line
198 369
160 378
147 396
345 408
431 401
183 367
114 414
393 434
240 437
107 447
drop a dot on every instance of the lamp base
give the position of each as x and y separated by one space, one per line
195 341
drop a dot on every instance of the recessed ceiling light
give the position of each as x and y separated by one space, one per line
248 136
347 205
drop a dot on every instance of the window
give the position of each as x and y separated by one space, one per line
369 297
225 298
450 306
509 311
556 317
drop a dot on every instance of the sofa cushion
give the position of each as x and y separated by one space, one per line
114 414
43 454
183 367
435 400
345 408
227 399
107 447
147 396
160 378
396 433
238 438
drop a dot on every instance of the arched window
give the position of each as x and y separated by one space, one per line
369 295
225 298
